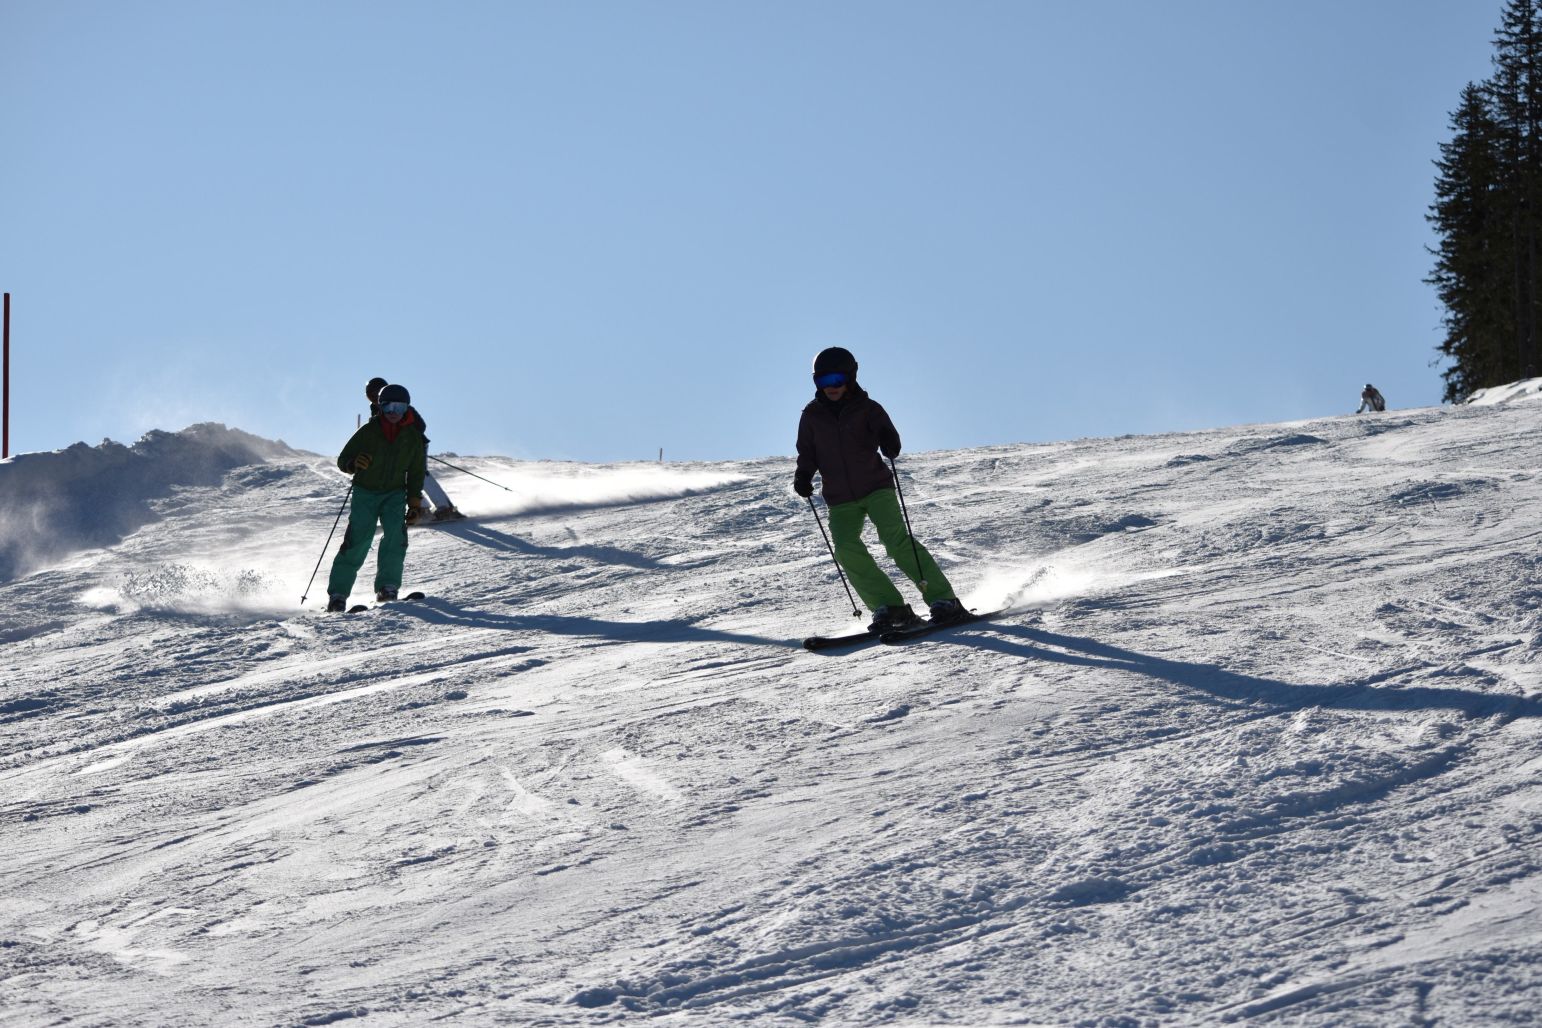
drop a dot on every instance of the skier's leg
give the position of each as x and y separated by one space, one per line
846 521
362 512
884 508
436 494
393 541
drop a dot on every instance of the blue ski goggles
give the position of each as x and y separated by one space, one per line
394 407
831 379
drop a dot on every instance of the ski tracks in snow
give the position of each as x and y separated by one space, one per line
1264 749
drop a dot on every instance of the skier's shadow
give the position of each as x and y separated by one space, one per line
1051 647
437 611
494 539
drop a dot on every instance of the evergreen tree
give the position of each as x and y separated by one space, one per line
1473 262
1517 92
1488 215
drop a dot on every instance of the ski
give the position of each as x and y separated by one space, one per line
928 627
439 522
832 642
361 607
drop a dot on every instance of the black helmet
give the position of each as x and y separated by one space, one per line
373 386
835 359
1369 388
394 394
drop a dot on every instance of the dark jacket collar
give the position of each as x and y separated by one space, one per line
855 395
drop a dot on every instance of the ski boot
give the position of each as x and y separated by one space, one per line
337 604
450 513
946 611
385 594
893 618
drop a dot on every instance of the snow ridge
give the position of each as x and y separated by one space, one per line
55 504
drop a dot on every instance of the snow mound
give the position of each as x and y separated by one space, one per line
83 497
1527 388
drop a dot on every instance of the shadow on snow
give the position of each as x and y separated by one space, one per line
493 539
1051 647
672 631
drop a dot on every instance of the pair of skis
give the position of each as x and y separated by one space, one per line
892 637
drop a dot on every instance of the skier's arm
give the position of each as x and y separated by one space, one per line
351 451
888 435
803 477
417 468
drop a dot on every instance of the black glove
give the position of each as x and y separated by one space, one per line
885 451
804 487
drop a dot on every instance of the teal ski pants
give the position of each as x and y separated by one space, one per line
369 507
883 508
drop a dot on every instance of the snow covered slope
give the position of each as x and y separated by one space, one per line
1262 744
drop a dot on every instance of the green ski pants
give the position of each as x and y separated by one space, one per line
875 588
389 509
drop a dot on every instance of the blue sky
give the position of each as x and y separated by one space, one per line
592 229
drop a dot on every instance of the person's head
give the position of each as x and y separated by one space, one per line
1369 388
372 389
394 401
835 371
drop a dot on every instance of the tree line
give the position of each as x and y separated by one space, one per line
1487 215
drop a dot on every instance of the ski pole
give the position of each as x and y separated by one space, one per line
473 474
915 549
327 544
855 612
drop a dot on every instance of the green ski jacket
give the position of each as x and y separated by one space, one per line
393 464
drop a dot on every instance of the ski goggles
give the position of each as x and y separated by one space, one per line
831 379
394 407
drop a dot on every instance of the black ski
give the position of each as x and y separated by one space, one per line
361 607
928 627
833 642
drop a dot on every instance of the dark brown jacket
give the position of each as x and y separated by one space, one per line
842 441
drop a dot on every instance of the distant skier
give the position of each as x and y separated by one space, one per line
1370 399
840 436
444 510
386 458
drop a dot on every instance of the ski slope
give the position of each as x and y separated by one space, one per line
1260 744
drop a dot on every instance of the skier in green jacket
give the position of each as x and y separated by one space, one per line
387 459
444 510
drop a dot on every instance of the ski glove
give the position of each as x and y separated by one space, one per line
361 463
886 452
804 487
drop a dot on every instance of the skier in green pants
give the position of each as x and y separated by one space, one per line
841 435
387 459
